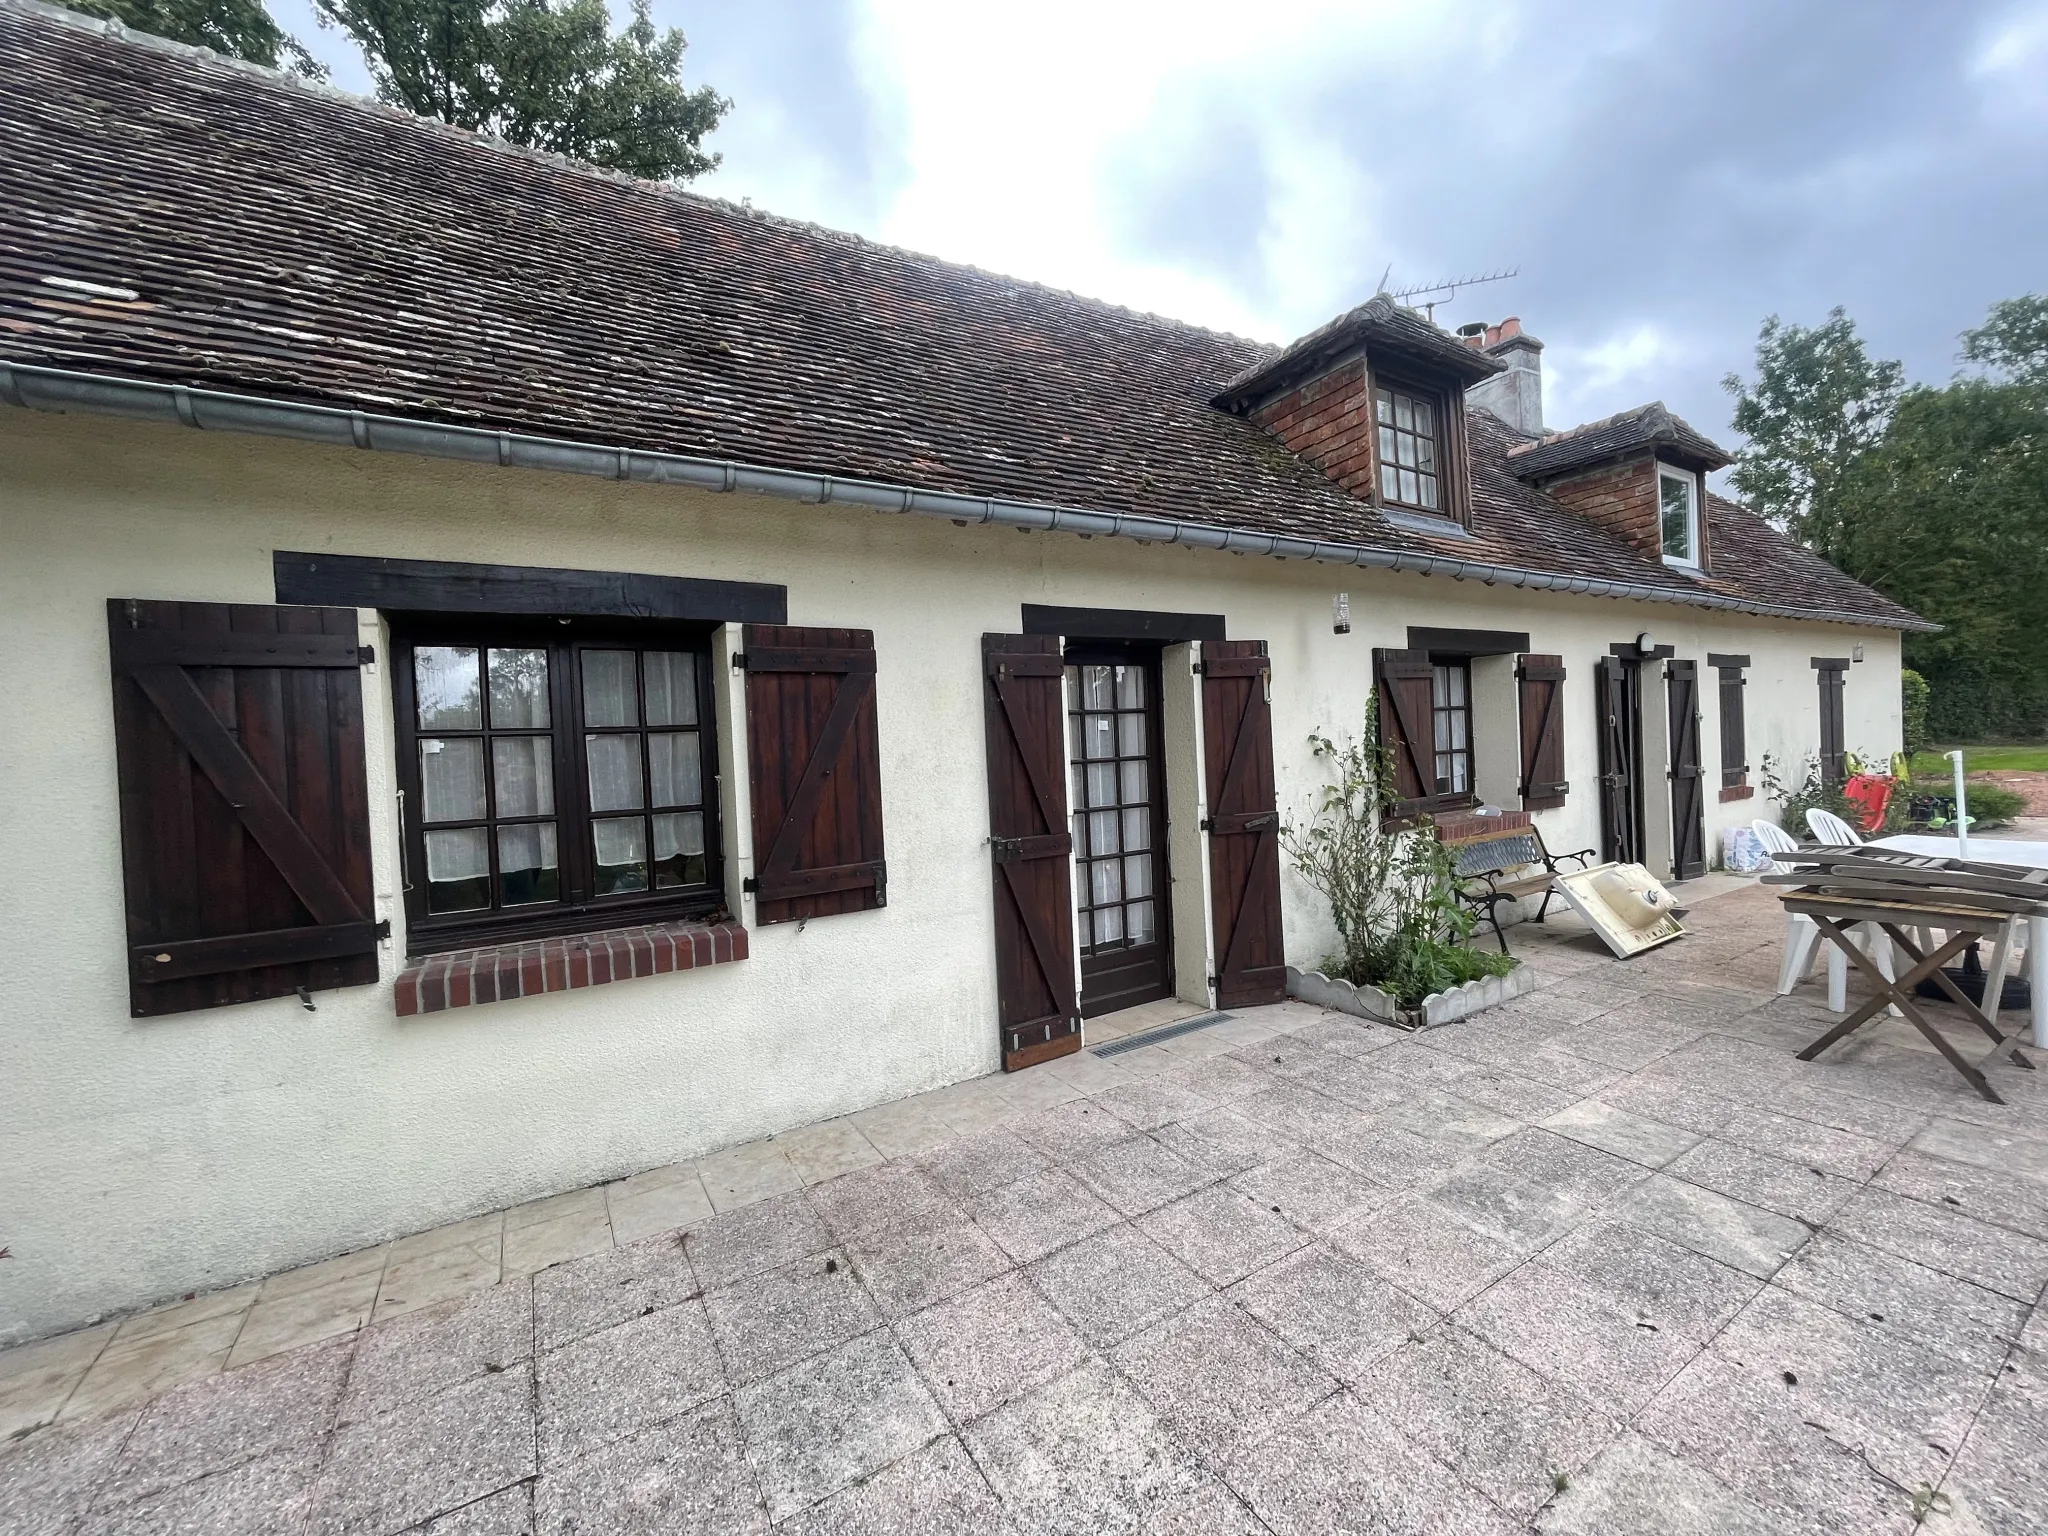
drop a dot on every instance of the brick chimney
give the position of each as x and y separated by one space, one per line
1515 396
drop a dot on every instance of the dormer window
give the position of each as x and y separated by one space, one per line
1678 515
1409 449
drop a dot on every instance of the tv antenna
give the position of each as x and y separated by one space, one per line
1448 290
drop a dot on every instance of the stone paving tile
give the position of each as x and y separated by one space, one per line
425 1352
1999 1484
1947 1241
1807 1194
643 1209
1333 1310
1502 1428
1628 1037
834 1420
1914 1303
1296 1110
251 1498
690 1474
1222 1234
2009 1150
508 1512
973 1165
1083 1453
1310 1191
421 1460
1424 1249
125 1374
49 1476
573 1299
1648 1142
909 1268
1220 1079
608 1385
1744 1237
1066 1133
1520 1098
36 1379
1583 1174
989 1345
1136 1174
1647 1278
767 1323
1039 1214
1223 1142
242 1416
1341 1467
936 1491
877 1199
1392 1156
763 1236
1218 1376
1991 1195
1157 1101
1116 1283
1634 1486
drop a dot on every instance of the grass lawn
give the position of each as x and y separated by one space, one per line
2032 759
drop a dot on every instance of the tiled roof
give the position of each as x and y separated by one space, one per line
1379 324
166 216
1647 426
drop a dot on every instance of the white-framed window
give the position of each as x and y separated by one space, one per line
1678 515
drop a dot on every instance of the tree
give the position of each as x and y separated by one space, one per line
2013 340
241 29
549 74
1818 403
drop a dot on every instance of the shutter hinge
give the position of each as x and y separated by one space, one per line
366 655
750 884
1206 823
739 661
1201 669
384 928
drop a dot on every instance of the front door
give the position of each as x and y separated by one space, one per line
1621 746
1119 810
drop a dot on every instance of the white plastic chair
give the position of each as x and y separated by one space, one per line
1830 831
1802 938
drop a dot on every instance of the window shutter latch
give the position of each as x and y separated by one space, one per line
366 655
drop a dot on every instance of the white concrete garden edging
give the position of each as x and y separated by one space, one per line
1438 1008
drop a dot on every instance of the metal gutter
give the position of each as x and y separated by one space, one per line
59 389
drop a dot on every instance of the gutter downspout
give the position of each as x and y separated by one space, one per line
60 390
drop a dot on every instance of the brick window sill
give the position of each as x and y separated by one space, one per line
500 972
1737 792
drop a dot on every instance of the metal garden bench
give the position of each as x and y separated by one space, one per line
1506 865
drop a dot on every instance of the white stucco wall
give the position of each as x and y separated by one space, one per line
141 1159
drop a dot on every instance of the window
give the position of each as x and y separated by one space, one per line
1450 696
554 783
1409 449
1678 515
1115 791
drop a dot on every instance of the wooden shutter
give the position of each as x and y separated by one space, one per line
1617 767
816 763
1834 754
1244 822
1539 684
1688 787
245 810
1734 733
1407 727
1038 1012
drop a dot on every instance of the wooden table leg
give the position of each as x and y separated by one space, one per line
2037 975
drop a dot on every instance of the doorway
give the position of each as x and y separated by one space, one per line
1119 813
1621 760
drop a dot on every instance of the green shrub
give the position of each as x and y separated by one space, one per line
1991 805
1393 893
1913 705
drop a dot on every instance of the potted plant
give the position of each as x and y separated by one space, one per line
1392 890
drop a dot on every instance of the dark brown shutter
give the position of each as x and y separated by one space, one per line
1734 734
245 808
1038 1014
1540 694
1834 755
1244 823
1407 726
1617 766
813 751
1688 786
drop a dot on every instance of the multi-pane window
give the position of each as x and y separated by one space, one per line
1678 515
1407 427
1450 700
1114 800
552 779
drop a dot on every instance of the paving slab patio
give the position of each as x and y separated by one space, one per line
1605 1260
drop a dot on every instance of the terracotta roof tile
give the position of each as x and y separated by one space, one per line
168 216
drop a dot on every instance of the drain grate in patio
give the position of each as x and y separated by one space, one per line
1164 1032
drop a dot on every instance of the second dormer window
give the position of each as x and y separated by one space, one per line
1678 508
1409 450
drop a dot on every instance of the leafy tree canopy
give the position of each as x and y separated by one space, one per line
241 29
549 74
1819 401
2013 340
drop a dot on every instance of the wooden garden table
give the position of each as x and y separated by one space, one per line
2015 855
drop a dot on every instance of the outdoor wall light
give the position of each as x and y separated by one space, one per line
1645 643
1857 653
1340 614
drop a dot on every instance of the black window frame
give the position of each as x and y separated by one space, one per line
580 908
1446 796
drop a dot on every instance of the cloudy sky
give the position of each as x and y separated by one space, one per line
1663 175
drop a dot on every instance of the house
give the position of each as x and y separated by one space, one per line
521 675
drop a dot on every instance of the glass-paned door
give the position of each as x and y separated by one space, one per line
1118 804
